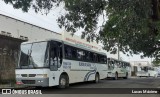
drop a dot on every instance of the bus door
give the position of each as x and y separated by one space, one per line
120 69
111 65
55 55
124 68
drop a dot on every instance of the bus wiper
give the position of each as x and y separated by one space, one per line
31 60
30 57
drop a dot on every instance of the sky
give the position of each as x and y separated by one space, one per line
49 22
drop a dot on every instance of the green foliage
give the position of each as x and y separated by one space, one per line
156 62
38 5
132 25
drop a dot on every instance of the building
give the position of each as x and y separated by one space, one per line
20 29
12 33
9 53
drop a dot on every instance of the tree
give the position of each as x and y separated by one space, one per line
156 62
132 25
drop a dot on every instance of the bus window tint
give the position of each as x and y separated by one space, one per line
74 53
87 56
110 64
95 58
83 55
80 54
91 57
113 64
68 52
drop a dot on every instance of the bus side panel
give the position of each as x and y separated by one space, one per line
102 70
79 71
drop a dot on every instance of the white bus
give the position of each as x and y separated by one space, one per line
117 68
147 71
59 63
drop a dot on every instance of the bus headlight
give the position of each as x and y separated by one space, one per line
42 75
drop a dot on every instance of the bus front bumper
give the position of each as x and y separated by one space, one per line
44 82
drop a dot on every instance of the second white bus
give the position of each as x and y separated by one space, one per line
117 68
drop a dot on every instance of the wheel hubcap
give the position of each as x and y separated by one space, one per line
63 81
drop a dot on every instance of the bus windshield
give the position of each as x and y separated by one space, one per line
34 55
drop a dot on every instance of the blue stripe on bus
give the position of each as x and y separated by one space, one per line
89 74
85 78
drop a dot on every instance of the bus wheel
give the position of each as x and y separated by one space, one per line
126 76
63 81
116 76
96 78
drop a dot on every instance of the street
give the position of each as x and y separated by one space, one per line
120 83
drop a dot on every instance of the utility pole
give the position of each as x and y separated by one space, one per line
151 59
118 50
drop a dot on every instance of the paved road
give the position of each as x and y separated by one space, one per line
121 83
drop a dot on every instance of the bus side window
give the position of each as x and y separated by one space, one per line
74 53
95 57
116 64
119 64
122 65
113 64
87 55
125 65
91 57
105 59
68 52
79 54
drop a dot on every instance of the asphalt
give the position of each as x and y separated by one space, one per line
106 84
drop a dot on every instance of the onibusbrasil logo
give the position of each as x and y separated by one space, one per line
13 91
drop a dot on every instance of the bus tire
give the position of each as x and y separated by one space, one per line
116 76
63 81
96 78
155 76
126 77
